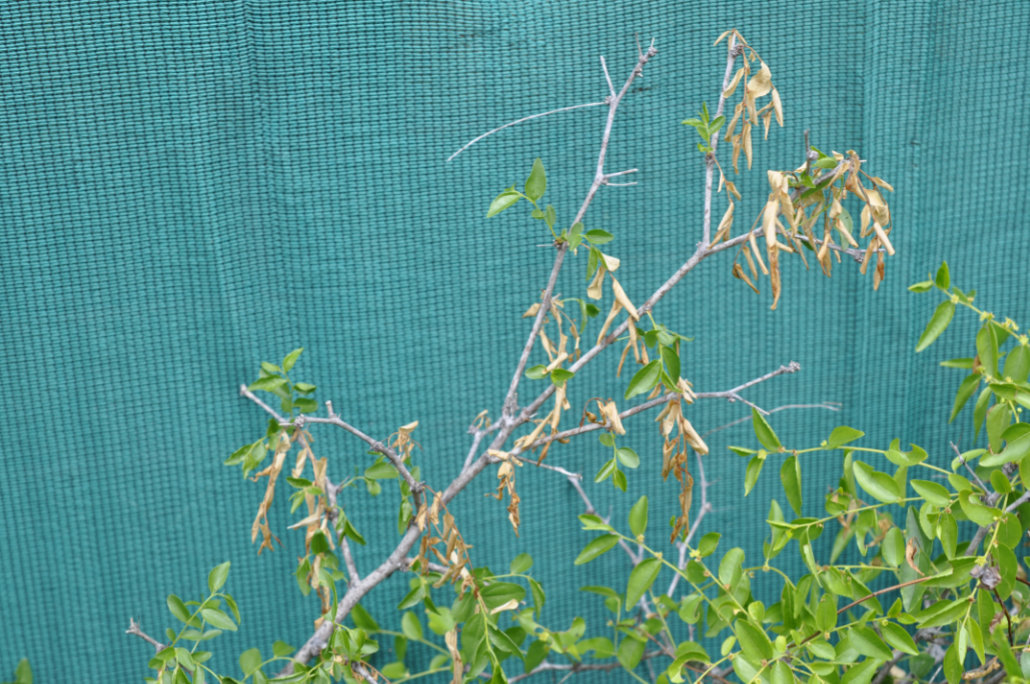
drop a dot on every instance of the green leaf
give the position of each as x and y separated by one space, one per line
896 637
753 642
619 480
394 670
644 379
763 432
178 608
216 618
589 521
730 567
627 457
596 547
411 627
893 547
671 360
575 235
520 564
291 359
536 184
754 469
250 661
880 485
938 323
216 578
865 641
923 286
952 664
598 237
1017 438
842 435
980 409
641 579
1017 364
506 199
559 376
304 387
362 618
269 384
976 511
987 349
1004 652
550 217
610 466
934 492
381 470
305 405
781 674
826 613
943 277
998 419
536 372
638 517
790 476
715 125
965 391
629 652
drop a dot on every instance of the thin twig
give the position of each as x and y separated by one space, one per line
577 667
511 398
477 437
828 405
731 395
607 77
333 419
525 118
886 668
962 460
331 493
857 254
713 142
136 630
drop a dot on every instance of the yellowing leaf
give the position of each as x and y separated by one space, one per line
723 231
728 92
881 183
594 290
620 296
761 83
511 604
747 143
611 416
610 262
878 229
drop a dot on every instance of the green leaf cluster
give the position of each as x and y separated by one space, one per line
705 127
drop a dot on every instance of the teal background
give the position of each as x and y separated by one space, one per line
189 188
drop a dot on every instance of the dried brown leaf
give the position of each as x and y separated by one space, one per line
620 296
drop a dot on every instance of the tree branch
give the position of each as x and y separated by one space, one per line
511 399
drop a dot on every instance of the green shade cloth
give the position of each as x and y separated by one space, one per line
189 188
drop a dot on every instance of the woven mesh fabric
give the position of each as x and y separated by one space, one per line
189 188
